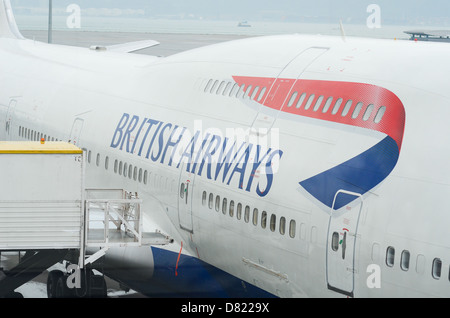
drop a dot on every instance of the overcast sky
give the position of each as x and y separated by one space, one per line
420 12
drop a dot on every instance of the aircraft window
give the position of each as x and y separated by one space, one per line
261 95
217 203
273 221
248 91
120 167
309 102
224 206
318 103
130 171
404 261
182 190
247 214
145 176
89 156
368 112
301 100
335 241
214 86
239 211
125 169
140 175
204 198
135 173
327 105
255 91
234 90
346 108
292 100
231 211
240 92
292 228
208 85
264 219
437 266
255 216
116 165
227 89
357 110
282 225
380 114
20 131
221 86
390 256
106 162
97 161
210 201
337 106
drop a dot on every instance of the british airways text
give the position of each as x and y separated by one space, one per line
222 159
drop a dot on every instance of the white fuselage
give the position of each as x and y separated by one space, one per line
116 106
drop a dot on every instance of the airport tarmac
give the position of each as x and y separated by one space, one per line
169 43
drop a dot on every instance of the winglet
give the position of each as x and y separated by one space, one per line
8 25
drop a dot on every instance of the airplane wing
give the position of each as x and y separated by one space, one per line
126 47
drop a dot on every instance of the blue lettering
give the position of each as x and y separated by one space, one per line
242 169
269 174
256 164
189 152
138 134
173 144
194 166
208 154
161 141
133 123
153 139
122 123
226 161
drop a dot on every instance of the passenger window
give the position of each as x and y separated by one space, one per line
239 211
318 103
282 225
214 87
234 90
309 102
247 214
227 89
346 108
337 106
219 90
327 105
210 201
436 271
217 203
247 92
255 91
273 222
261 95
292 100
264 219
292 227
357 110
224 206
255 216
390 256
380 114
145 176
140 175
208 85
335 241
301 100
231 211
204 198
368 112
404 261
240 92
106 162
182 190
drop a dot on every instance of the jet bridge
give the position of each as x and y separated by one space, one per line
47 216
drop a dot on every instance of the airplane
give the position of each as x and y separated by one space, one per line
281 166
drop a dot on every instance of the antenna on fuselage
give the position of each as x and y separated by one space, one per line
50 21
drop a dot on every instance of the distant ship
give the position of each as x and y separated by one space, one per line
244 24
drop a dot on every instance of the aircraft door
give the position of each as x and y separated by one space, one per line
75 133
341 242
281 88
185 195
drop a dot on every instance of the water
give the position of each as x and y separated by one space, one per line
147 25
